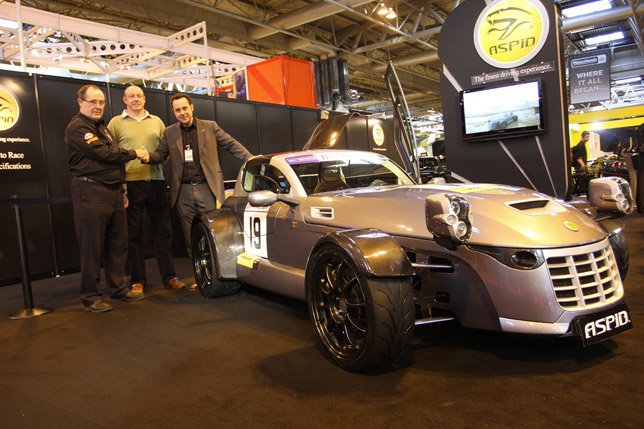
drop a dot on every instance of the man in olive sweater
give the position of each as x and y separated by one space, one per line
146 189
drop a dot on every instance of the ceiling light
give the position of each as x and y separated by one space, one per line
6 23
603 38
628 80
586 8
382 9
391 14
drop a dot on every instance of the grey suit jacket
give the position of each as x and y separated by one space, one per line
210 136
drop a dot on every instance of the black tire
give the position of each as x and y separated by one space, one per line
361 323
204 255
618 244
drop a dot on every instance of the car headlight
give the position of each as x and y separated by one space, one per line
448 218
520 259
612 194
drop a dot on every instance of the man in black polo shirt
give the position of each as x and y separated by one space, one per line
580 153
97 166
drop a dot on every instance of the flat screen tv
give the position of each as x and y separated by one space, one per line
501 111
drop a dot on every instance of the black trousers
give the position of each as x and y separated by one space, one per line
150 195
193 199
101 230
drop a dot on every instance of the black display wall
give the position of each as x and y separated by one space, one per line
23 174
540 162
48 103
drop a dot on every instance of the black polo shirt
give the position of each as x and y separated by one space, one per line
94 153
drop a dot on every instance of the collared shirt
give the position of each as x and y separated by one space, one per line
94 153
192 171
145 115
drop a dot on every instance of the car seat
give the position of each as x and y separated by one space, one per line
331 178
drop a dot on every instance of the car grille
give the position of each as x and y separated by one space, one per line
585 277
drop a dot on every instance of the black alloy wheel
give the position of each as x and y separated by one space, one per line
361 323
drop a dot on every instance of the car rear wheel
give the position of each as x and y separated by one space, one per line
204 258
361 323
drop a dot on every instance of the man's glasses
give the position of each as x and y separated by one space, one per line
95 102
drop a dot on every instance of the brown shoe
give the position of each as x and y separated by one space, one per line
175 283
137 288
193 287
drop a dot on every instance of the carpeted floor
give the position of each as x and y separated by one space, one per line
248 360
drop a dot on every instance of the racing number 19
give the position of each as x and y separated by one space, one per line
255 229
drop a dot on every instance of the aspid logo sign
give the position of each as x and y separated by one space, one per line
378 134
9 110
509 33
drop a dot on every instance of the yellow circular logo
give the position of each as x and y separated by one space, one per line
509 33
9 110
571 226
378 134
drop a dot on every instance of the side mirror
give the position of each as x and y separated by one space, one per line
449 219
267 198
612 194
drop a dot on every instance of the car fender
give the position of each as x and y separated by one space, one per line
375 253
227 237
611 226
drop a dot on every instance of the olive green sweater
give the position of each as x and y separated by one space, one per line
133 134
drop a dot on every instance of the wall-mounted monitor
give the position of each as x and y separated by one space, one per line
502 111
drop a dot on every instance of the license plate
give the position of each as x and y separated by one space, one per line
596 327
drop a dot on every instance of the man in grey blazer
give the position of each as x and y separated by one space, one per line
194 174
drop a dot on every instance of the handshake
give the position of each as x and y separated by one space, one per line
143 155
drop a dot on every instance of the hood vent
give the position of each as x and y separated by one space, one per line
537 207
529 205
322 212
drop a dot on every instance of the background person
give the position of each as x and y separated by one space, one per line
196 180
146 191
580 153
97 166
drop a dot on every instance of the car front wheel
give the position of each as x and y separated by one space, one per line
361 323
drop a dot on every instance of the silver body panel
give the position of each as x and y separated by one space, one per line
483 292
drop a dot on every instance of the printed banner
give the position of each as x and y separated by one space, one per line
589 77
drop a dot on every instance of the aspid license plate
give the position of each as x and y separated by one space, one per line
596 327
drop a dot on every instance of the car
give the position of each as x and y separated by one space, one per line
374 252
430 167
613 166
502 122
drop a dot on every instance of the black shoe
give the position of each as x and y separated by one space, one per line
99 307
130 296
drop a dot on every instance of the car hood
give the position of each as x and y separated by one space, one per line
503 215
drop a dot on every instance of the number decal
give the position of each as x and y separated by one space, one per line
255 231
255 228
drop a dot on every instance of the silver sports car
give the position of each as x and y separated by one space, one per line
374 253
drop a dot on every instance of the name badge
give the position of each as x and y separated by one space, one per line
188 154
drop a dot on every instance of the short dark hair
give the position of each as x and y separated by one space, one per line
584 134
83 91
179 95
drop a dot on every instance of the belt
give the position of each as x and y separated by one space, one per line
89 179
194 182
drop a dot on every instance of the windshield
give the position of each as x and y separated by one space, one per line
318 173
